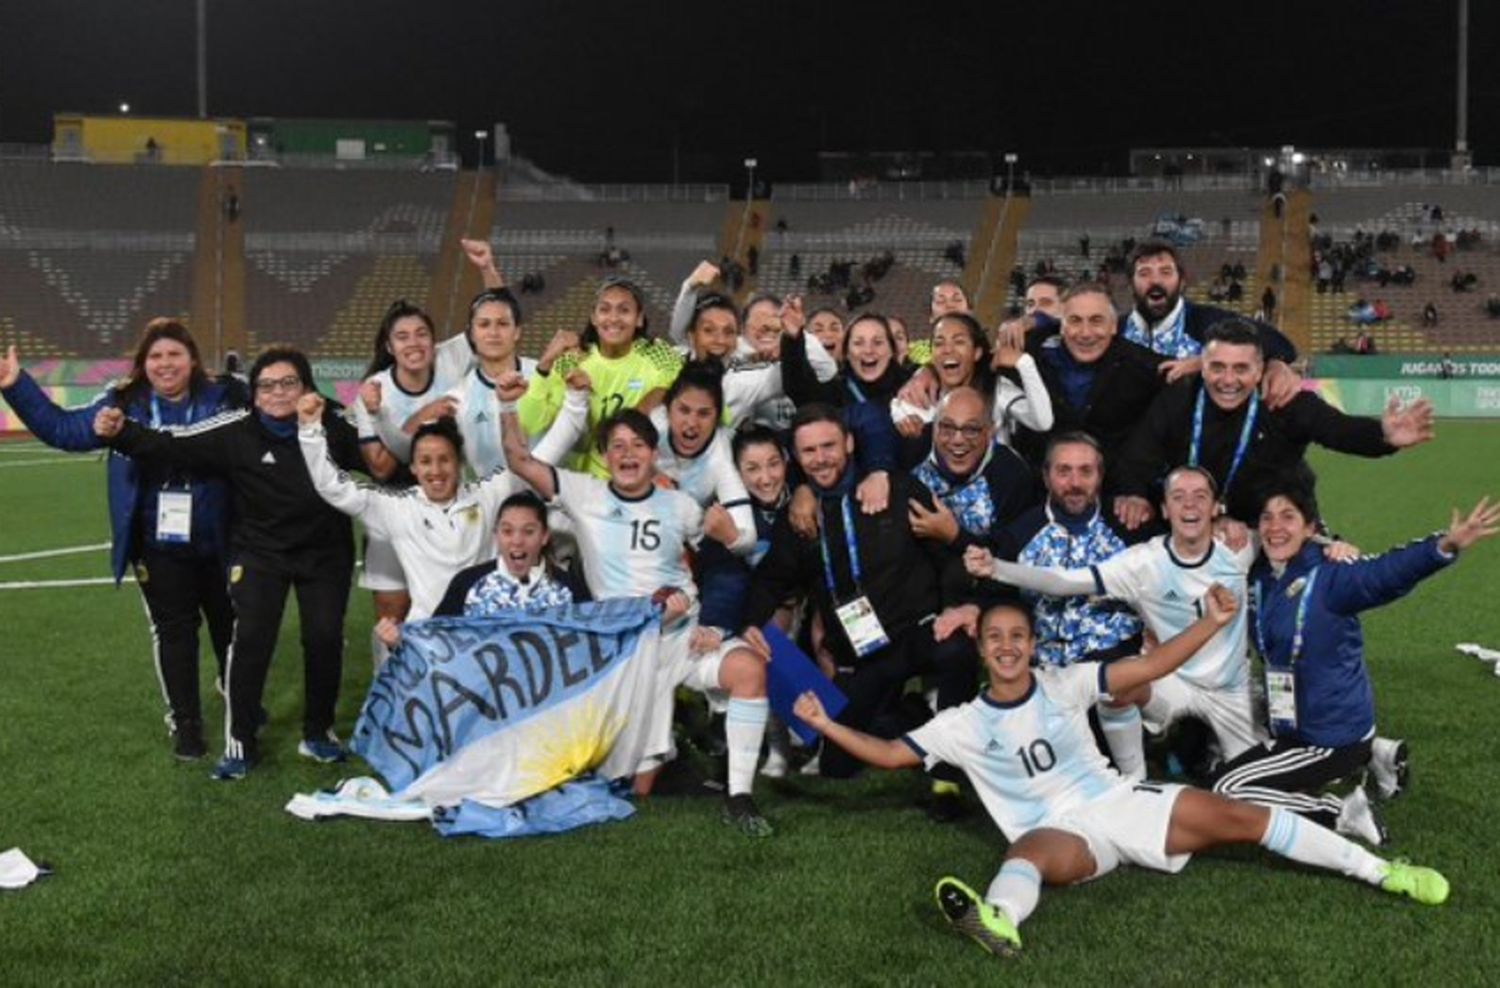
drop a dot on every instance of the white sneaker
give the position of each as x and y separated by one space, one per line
812 767
1388 767
775 765
1479 652
1358 818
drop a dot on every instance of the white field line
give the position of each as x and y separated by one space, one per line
49 461
50 584
49 553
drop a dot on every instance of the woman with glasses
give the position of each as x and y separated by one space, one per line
283 537
171 525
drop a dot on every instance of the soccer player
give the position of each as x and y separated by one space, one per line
1026 746
633 536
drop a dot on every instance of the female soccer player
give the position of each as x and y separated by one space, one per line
170 524
1026 746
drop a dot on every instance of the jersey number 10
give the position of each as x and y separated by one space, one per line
1037 756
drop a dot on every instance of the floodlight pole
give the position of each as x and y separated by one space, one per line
1461 145
202 59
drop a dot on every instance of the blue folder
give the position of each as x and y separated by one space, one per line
790 674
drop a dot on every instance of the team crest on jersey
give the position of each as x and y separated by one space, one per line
634 384
236 573
1296 588
470 515
141 574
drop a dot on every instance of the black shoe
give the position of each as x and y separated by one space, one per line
187 741
741 813
946 807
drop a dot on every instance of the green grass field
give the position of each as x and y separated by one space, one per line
163 877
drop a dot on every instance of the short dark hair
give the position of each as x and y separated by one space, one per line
526 500
816 411
399 309
1055 280
628 418
710 302
755 435
703 375
504 296
1008 605
1151 248
1301 497
757 299
590 335
1073 437
442 428
1236 331
280 353
1213 484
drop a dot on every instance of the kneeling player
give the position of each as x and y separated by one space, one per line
633 536
1026 746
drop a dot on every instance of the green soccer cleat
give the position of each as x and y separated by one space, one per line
741 813
1425 885
977 919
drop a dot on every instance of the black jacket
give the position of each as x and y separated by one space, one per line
907 580
1276 451
276 509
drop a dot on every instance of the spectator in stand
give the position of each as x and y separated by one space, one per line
1268 304
1492 305
1429 315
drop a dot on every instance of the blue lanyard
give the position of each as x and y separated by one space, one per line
1246 434
849 545
859 396
1299 621
156 411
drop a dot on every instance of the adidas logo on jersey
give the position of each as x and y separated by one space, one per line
268 458
1171 595
992 747
481 417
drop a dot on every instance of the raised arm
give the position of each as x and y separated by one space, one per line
571 424
1030 404
1053 581
69 429
482 257
878 752
705 274
1219 607
540 477
332 484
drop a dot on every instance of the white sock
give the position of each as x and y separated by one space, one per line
1304 841
1122 733
1016 889
744 727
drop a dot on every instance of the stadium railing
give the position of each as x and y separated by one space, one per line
643 192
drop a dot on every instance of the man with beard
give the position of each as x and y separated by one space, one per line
1217 421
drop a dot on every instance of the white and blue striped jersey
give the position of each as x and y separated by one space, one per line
631 547
398 404
479 418
707 478
1168 593
1031 760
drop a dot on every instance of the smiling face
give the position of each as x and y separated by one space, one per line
962 431
520 537
1283 530
899 334
435 464
691 420
823 452
631 461
1006 646
1156 283
948 296
169 368
617 318
1074 473
1044 298
410 344
763 328
715 333
869 350
829 329
763 469
1189 506
1231 372
494 331
1088 325
954 354
277 389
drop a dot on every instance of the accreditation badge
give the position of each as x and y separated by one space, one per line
862 626
174 516
1281 698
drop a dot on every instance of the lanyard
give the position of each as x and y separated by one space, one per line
849 545
1195 448
1299 621
156 411
859 396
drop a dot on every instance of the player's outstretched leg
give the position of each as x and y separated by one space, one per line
743 675
994 921
1202 820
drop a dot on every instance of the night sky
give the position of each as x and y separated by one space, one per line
603 92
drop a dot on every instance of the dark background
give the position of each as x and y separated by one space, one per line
620 91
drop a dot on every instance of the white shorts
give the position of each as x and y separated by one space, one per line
675 667
382 572
1129 826
1230 712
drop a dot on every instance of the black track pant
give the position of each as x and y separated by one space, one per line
259 586
877 682
179 591
1292 776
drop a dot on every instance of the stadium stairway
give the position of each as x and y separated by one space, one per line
995 256
1285 248
455 281
745 226
391 276
218 308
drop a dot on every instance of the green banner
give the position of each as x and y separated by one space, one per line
1403 366
1450 398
